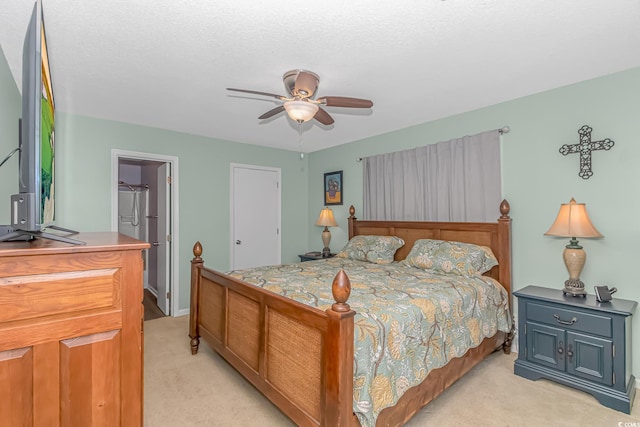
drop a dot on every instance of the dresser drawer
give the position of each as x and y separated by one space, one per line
570 319
42 295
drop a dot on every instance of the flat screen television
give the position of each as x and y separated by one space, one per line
33 208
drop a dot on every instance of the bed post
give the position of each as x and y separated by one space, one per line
196 267
504 236
352 218
338 353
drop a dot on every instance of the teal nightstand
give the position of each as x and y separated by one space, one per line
578 342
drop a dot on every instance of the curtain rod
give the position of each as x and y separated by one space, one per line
501 131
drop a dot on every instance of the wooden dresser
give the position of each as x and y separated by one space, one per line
71 344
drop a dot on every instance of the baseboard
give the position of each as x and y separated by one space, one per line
181 312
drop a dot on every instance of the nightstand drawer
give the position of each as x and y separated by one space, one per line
570 319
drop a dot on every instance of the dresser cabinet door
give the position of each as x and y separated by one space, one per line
73 382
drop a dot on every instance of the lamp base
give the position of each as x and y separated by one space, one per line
574 287
574 257
326 238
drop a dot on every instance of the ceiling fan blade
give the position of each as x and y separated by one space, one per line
343 101
323 117
258 93
272 112
306 84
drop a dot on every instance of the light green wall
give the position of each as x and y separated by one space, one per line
10 112
536 179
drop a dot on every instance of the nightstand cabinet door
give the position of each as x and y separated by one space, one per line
590 358
580 355
545 345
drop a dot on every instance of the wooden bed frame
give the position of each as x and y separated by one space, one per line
300 357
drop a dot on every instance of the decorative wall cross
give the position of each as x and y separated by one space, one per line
585 147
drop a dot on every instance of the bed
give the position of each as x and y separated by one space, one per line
303 357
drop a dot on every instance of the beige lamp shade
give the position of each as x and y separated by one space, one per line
573 221
326 220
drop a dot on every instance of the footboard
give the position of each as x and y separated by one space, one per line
300 357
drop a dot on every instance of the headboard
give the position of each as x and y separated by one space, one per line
496 235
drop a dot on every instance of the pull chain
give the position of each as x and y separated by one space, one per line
300 133
300 139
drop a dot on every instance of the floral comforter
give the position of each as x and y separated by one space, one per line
408 321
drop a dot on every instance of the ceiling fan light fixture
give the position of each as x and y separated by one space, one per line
301 111
300 102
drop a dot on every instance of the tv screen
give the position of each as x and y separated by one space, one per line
34 208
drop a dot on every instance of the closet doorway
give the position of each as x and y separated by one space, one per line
144 197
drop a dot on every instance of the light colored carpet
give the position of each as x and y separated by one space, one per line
203 390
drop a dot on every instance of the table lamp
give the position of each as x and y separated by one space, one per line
573 221
326 219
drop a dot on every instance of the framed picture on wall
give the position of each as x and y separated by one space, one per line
333 188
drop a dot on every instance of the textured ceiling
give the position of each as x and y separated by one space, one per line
166 63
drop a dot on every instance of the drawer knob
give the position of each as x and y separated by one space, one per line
565 322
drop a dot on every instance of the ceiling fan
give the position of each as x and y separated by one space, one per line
300 104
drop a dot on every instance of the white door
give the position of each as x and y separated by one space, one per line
164 239
255 216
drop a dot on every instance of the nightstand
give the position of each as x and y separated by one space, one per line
578 342
309 257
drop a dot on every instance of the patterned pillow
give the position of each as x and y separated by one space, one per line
376 249
439 256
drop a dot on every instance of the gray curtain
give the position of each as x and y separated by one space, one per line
456 180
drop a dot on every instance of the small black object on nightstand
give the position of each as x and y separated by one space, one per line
603 293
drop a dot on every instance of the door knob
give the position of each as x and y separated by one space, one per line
238 242
570 352
560 349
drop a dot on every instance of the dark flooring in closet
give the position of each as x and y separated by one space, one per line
151 310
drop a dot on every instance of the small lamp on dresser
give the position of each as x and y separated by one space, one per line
573 222
326 220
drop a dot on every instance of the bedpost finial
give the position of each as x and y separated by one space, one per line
352 211
197 249
504 209
341 289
